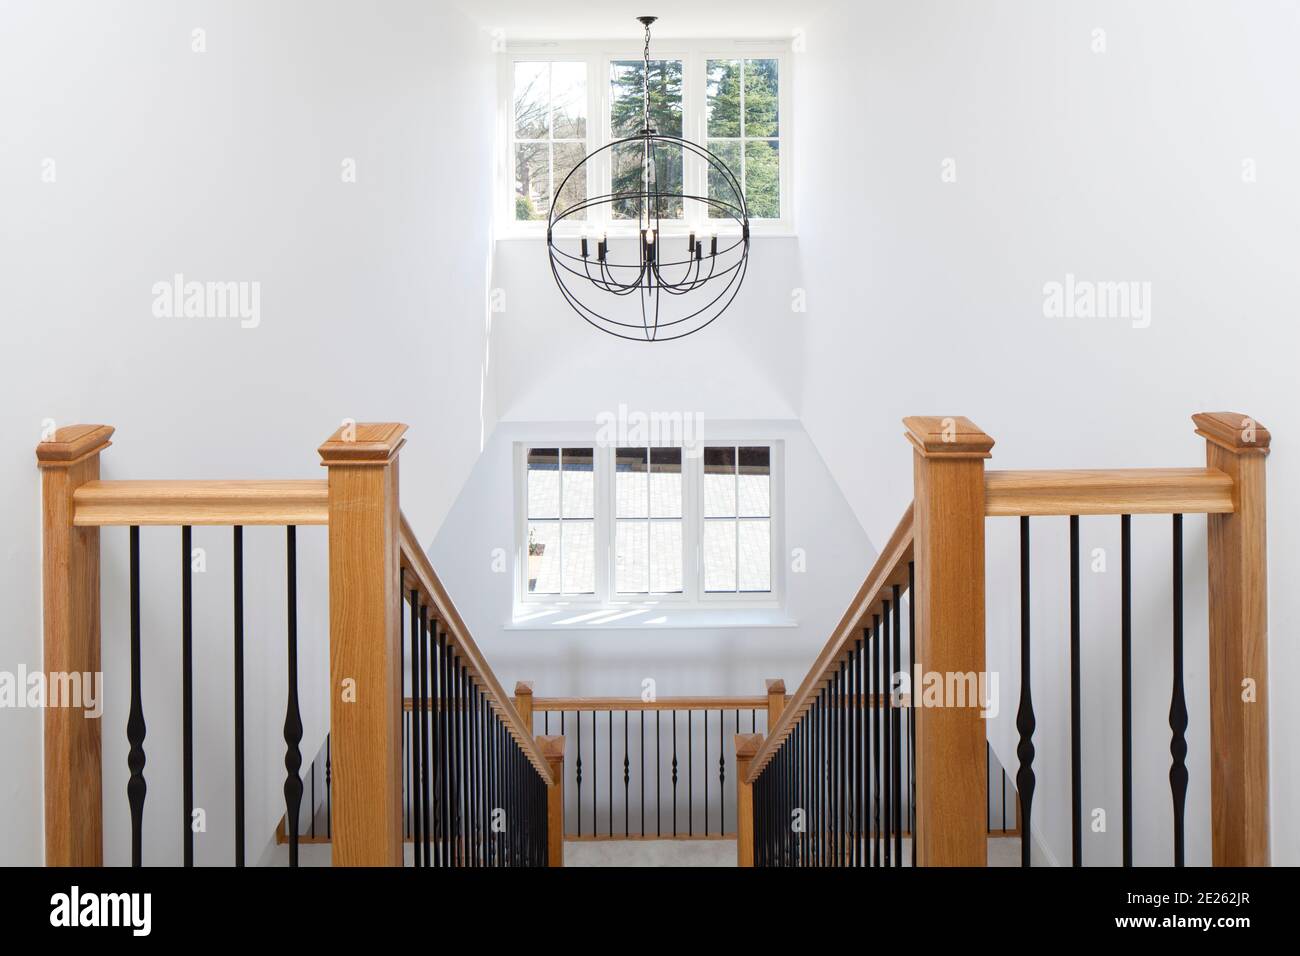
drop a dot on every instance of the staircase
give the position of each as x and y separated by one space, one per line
881 756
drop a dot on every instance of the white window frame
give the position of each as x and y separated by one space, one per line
692 596
598 55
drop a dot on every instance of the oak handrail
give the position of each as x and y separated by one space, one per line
201 502
557 704
426 581
890 569
1114 491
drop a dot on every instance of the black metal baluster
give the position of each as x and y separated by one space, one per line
609 808
187 692
877 661
445 756
1178 705
577 719
1025 712
1076 726
690 776
722 772
841 785
896 729
292 717
417 730
1126 684
239 695
329 802
642 756
627 802
429 628
135 728
674 773
437 697
659 821
467 770
706 773
886 744
855 762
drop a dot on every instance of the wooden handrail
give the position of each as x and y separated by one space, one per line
1136 491
420 573
890 569
294 502
556 704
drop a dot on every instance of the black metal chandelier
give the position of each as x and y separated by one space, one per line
640 287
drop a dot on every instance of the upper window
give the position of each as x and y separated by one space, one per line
550 134
654 523
568 100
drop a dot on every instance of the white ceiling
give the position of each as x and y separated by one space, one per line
602 19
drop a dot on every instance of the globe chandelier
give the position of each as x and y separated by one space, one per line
648 287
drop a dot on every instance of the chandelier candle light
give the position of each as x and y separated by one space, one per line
700 277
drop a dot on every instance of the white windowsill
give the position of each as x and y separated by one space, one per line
657 617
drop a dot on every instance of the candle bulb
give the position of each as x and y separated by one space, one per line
584 247
690 244
713 245
602 247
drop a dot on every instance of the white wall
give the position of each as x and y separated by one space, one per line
1122 165
549 364
226 165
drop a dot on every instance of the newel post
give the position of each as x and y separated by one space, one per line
553 750
74 813
1238 604
523 702
775 701
948 536
747 746
365 653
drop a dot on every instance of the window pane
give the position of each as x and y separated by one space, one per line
722 97
630 483
665 482
720 187
755 482
762 179
569 100
532 180
626 97
543 557
719 482
665 556
572 190
630 547
532 93
579 486
626 177
756 555
543 482
579 550
720 555
761 99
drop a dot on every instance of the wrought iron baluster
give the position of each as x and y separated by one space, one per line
239 694
135 727
293 717
187 691
1076 727
627 802
1025 712
896 730
1126 687
1178 705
